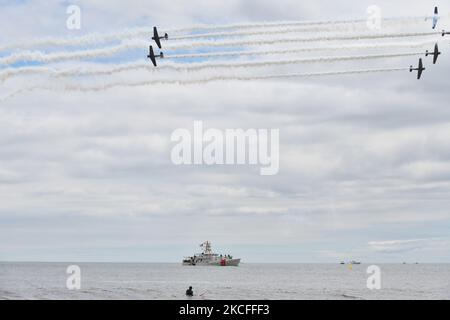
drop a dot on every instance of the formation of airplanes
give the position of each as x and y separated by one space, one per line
420 68
157 39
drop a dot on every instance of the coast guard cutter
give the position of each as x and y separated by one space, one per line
208 258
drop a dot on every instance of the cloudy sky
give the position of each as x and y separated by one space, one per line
85 168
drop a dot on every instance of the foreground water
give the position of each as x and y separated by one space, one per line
249 281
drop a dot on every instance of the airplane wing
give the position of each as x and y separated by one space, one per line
152 56
419 74
436 53
156 37
420 69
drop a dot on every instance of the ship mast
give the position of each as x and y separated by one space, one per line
206 247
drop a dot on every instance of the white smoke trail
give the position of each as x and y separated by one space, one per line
299 50
98 38
269 30
265 41
254 64
229 78
233 65
274 32
277 29
192 67
39 56
8 73
90 39
120 84
275 24
139 33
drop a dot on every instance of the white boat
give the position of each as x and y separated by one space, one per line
209 258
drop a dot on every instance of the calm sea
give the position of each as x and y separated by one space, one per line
248 281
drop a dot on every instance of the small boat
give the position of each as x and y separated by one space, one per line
209 258
350 262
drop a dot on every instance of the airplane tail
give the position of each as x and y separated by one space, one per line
411 69
436 11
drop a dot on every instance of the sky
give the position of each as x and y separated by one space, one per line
85 168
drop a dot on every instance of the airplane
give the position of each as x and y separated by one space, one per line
435 53
435 17
157 38
444 32
152 56
419 69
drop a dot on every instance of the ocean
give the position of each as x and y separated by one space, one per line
32 280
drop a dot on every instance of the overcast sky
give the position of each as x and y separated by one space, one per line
87 176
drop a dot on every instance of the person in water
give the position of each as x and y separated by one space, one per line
190 292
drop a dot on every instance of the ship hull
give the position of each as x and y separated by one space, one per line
214 263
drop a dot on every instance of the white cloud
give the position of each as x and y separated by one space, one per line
359 154
399 246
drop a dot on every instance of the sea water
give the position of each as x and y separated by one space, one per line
248 281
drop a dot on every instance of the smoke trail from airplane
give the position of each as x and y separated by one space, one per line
130 34
264 41
8 73
90 39
192 67
103 87
269 30
139 33
254 64
292 24
291 76
277 30
39 56
234 65
299 50
98 38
